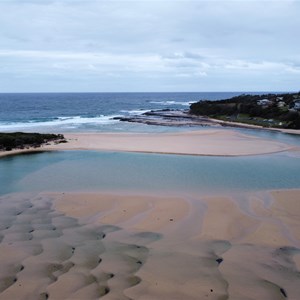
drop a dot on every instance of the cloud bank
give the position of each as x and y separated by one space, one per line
149 45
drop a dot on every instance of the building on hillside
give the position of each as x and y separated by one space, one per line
281 104
264 102
297 104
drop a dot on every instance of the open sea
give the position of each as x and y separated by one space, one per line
74 112
94 112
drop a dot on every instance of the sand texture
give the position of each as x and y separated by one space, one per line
206 142
108 246
211 142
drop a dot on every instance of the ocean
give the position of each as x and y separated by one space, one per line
95 112
85 112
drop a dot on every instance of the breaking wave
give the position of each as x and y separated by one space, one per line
64 122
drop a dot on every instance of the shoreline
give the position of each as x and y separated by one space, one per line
251 126
211 142
182 118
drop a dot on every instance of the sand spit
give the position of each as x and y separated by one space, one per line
91 246
210 142
205 142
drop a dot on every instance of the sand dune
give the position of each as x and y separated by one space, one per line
108 246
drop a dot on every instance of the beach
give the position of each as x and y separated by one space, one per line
153 245
135 246
149 150
211 142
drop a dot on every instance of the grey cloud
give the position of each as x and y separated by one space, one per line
233 42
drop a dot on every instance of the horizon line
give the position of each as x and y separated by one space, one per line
147 92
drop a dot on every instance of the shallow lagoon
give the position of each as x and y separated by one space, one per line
116 171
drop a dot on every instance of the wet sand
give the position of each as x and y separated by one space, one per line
133 246
138 246
212 142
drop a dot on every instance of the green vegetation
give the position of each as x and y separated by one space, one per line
21 140
271 110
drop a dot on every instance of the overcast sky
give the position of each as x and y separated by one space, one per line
115 46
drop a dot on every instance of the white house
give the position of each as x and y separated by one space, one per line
263 102
297 105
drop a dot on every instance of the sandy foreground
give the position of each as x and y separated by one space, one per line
205 142
110 246
137 246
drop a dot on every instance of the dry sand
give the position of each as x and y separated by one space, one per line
210 142
109 246
205 142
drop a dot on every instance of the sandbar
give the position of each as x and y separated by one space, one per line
214 142
209 142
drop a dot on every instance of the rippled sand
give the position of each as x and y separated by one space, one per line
91 246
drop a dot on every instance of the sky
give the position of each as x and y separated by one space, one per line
149 46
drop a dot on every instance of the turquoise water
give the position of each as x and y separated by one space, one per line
292 139
114 171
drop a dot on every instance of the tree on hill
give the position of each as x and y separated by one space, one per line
9 141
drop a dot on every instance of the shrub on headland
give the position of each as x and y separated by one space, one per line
276 110
21 140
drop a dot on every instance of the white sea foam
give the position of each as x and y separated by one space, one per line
135 111
173 103
63 122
